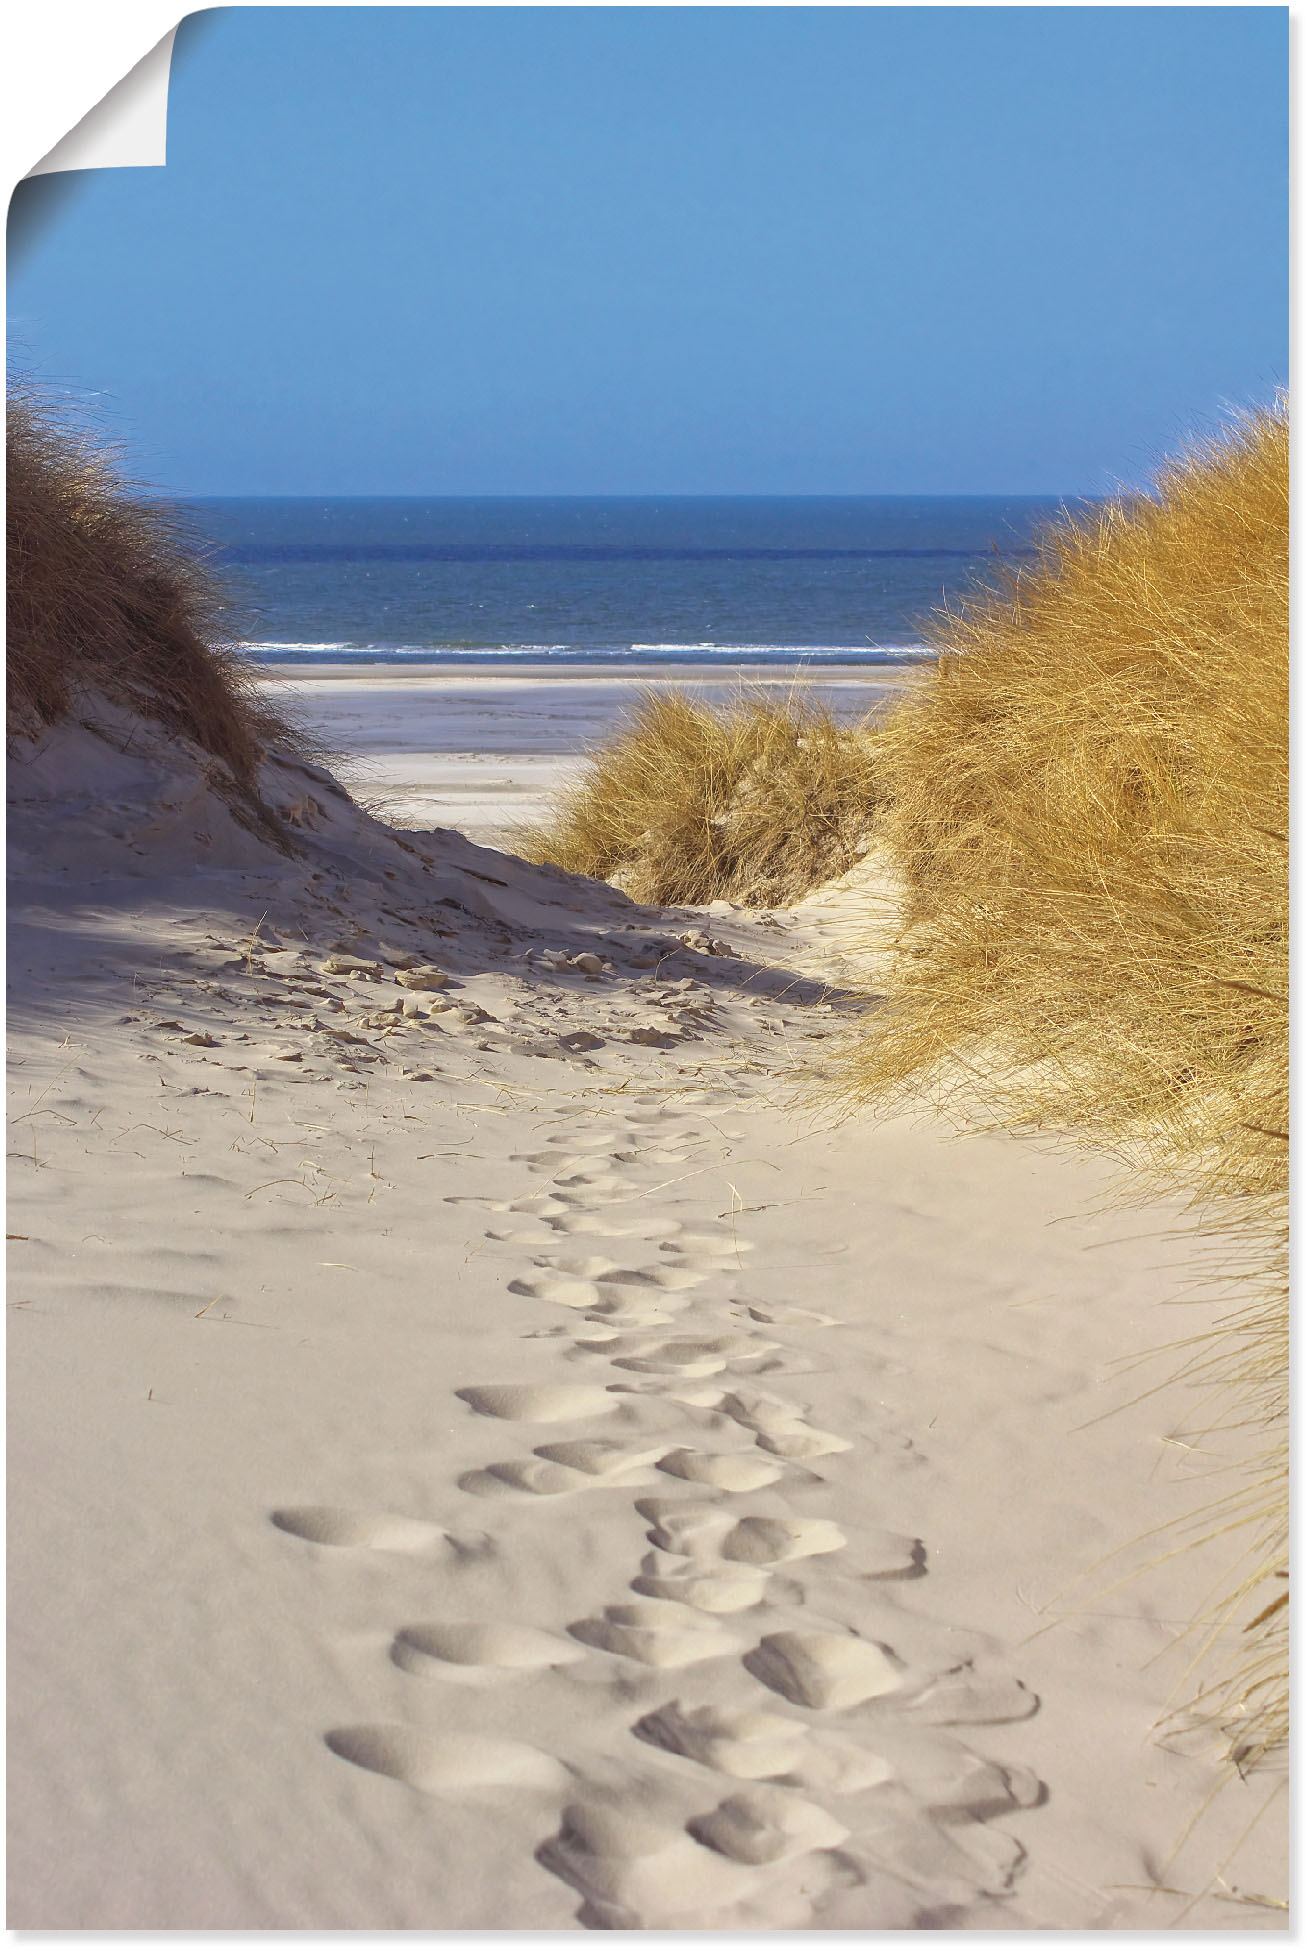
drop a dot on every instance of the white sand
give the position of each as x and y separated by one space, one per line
498 1473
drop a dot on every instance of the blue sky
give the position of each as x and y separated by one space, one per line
680 250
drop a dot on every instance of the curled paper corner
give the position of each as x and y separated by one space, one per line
128 129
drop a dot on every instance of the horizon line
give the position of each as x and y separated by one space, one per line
989 494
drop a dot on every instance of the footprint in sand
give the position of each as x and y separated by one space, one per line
736 1474
965 1698
564 1468
798 1443
767 1824
512 1403
479 1653
823 1670
607 1272
689 1365
947 1867
653 1634
545 1204
696 1357
537 1234
638 1873
579 1224
575 1267
614 1334
451 1766
695 1394
611 1291
725 1588
601 1459
768 1315
711 1241
666 1279
559 1289
836 1766
638 1311
763 1746
744 1745
780 1539
944 1775
525 1478
728 1561
596 1183
562 1158
358 1529
693 1529
609 1329
778 1426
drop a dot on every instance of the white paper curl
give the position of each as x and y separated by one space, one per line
128 129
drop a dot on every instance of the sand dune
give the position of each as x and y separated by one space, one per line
483 1458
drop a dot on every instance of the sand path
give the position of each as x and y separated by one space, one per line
483 1459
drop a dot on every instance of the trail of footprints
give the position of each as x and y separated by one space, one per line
837 1785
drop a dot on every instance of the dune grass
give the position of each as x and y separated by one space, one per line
109 595
1087 804
755 801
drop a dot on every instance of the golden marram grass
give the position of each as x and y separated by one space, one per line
755 802
1087 805
109 596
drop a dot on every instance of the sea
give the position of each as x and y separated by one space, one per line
515 580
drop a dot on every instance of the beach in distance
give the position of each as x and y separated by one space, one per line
483 749
457 656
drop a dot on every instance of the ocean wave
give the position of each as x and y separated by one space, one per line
593 653
868 653
302 649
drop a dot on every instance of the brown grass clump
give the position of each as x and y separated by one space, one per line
108 595
1088 807
754 802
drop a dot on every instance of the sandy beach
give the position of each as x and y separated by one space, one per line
485 1455
648 970
648 712
485 750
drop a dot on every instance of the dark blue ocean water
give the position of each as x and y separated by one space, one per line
581 581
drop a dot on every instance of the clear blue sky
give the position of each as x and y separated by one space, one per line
797 250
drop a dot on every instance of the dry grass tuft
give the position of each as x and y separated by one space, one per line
755 802
1088 806
108 594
